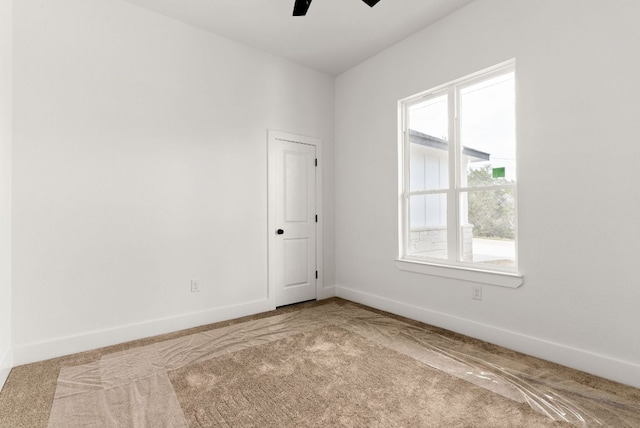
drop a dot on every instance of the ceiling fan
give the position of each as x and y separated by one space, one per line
300 7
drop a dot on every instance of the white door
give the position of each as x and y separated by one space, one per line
292 219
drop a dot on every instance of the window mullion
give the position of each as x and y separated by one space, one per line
452 194
426 192
405 191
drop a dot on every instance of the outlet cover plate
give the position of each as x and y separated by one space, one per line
476 292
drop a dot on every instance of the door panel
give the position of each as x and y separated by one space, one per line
296 258
296 186
292 220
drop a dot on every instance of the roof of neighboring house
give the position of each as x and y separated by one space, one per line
439 143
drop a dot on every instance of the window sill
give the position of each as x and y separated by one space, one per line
502 279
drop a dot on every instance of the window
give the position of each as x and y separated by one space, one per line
458 183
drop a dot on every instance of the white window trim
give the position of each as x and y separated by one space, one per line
502 279
470 272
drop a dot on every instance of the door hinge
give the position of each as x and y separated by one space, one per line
316 161
316 274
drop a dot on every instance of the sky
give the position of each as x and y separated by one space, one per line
487 119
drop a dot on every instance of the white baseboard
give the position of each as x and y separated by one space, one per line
33 352
6 364
610 368
326 293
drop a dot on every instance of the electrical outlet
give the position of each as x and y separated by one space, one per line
476 292
195 286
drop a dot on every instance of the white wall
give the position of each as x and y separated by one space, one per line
140 163
578 128
5 188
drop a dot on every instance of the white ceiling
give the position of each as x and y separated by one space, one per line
333 37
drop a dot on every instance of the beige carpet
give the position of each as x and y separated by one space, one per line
331 377
329 363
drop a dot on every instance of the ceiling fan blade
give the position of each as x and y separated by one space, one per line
371 2
300 7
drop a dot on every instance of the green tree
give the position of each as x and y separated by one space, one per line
491 212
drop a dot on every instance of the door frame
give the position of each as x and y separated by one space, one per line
273 135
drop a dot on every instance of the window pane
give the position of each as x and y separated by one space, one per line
428 144
428 226
487 223
487 128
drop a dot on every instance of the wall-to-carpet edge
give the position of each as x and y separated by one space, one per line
6 364
610 368
57 347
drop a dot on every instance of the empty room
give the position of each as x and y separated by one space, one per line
287 213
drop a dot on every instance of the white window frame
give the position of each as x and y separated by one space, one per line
451 267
